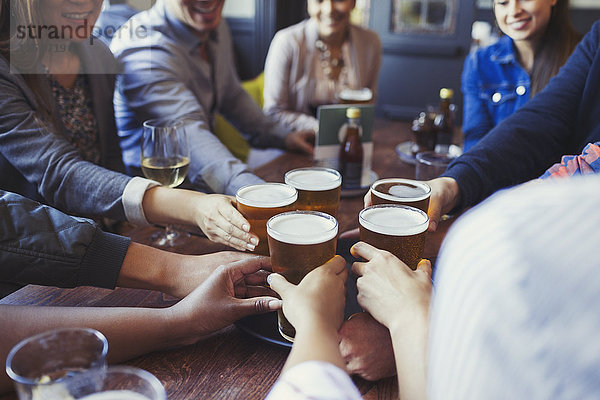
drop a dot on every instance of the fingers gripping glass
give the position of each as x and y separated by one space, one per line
165 158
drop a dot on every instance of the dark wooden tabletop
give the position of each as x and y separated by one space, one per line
232 364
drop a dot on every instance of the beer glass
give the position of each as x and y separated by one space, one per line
431 165
355 96
257 203
401 191
398 229
318 189
299 242
40 365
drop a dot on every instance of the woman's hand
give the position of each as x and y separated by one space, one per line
221 222
231 292
319 298
445 195
388 289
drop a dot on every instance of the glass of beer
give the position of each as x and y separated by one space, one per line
401 191
398 229
300 241
318 188
355 96
257 203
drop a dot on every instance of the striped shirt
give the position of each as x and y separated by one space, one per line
514 313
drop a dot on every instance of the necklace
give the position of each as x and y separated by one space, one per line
332 66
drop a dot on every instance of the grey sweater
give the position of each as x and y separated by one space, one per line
37 161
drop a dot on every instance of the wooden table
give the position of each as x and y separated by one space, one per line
232 364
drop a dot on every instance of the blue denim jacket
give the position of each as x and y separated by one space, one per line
494 86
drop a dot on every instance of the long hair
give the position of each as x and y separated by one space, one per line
26 54
555 47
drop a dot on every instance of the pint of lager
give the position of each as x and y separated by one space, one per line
401 191
318 189
300 241
398 229
258 203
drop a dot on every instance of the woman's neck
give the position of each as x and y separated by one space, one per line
526 53
335 40
63 66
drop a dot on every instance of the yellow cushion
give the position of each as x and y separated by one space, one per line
227 133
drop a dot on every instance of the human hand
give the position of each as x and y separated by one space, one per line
445 195
231 292
184 273
221 222
367 200
320 297
301 141
388 289
366 346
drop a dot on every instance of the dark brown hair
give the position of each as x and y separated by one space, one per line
554 49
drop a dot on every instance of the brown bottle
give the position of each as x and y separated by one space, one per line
444 122
351 151
424 133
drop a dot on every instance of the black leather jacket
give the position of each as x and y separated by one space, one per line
41 245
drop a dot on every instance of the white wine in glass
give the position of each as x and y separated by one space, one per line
165 159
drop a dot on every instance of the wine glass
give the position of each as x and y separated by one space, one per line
166 159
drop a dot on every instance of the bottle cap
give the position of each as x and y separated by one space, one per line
353 112
446 93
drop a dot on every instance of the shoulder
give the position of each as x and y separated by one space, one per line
12 85
295 32
145 31
363 35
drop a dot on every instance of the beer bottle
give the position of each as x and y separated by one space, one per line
351 151
444 123
424 133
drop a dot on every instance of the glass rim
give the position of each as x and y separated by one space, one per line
21 344
334 184
391 197
327 234
147 376
443 161
266 203
406 230
163 123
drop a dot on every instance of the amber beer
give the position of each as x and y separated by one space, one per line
299 242
401 191
318 189
258 203
398 229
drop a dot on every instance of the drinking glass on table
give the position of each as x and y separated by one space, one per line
41 365
299 241
117 382
165 159
318 188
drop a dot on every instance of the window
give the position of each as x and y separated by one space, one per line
424 16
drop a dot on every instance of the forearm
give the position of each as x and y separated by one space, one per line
315 342
410 351
130 331
145 267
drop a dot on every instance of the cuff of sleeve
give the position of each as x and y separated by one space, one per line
132 199
467 184
103 259
314 380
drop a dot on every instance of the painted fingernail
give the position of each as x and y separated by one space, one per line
246 228
254 241
250 247
269 279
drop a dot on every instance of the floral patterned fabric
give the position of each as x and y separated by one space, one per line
77 116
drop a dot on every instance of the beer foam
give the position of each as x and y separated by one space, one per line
302 227
363 94
403 191
394 220
267 195
313 179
